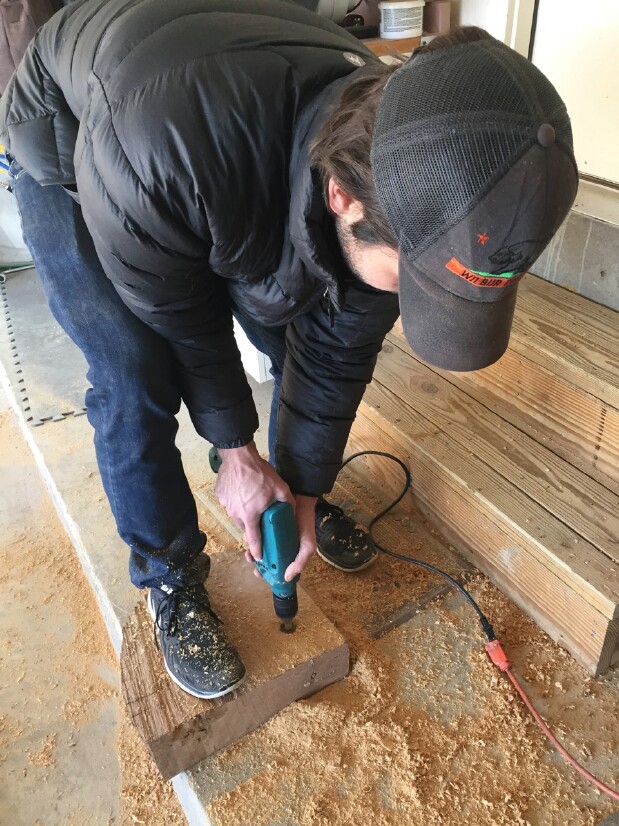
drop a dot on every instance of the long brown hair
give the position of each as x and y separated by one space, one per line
342 148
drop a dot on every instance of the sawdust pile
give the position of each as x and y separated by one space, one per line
45 756
145 797
39 565
425 731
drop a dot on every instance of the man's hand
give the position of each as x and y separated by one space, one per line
246 486
306 523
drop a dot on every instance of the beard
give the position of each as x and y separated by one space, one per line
349 246
374 265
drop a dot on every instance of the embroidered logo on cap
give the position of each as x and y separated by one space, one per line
482 279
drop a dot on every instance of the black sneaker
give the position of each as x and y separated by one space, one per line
197 654
339 541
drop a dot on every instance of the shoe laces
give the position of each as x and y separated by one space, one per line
166 615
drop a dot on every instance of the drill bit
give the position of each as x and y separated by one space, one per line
287 626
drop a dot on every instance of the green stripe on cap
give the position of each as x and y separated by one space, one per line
495 274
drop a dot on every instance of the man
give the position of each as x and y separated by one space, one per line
246 158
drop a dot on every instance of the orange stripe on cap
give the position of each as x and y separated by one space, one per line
474 278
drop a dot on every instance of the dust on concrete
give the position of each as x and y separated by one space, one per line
65 743
45 755
425 730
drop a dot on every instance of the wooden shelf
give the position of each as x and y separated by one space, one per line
382 47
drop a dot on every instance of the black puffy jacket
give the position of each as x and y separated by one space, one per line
186 127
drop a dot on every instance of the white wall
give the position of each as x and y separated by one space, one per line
491 15
578 49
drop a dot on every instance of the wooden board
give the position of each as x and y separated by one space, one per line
568 342
559 379
178 729
382 47
484 536
557 547
586 507
575 425
599 325
517 464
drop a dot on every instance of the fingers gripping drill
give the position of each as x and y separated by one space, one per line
280 545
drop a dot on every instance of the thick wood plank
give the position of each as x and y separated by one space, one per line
588 508
575 425
566 615
555 545
179 730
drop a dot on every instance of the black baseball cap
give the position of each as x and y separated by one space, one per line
474 167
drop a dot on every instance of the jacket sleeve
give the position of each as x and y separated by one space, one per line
158 265
190 308
160 268
328 365
37 126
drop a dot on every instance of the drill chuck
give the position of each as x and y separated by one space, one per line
285 607
286 610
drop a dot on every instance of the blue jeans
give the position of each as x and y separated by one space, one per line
134 398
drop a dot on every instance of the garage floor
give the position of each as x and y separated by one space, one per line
423 731
67 752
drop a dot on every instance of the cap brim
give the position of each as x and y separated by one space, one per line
448 331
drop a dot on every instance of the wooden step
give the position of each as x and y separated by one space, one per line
510 550
569 335
517 464
543 391
586 507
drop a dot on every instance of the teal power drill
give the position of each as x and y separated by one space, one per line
280 545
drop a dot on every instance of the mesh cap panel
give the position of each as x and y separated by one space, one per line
450 123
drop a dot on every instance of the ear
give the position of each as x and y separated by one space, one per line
341 204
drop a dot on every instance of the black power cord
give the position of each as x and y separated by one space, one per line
493 647
485 624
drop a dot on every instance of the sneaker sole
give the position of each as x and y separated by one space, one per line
187 689
346 570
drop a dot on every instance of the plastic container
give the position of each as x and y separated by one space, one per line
401 18
437 17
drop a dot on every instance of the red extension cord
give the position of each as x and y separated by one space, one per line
499 658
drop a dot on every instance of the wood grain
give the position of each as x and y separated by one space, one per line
585 506
573 424
178 729
518 464
567 345
382 47
599 325
565 614
555 545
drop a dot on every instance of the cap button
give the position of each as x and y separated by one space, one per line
546 134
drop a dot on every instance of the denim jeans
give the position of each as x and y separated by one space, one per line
134 398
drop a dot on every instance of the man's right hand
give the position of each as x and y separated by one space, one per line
246 486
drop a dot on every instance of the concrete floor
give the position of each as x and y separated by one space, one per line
60 712
54 770
61 718
60 737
